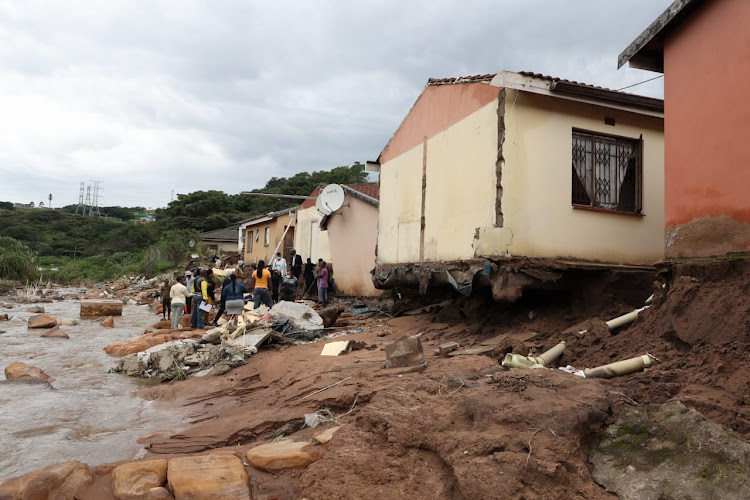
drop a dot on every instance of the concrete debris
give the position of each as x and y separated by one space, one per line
335 348
303 317
180 359
406 351
444 349
102 307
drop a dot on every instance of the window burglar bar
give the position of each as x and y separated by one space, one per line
606 172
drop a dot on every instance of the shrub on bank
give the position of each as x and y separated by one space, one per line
16 259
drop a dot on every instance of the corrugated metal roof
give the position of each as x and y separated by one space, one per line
225 234
461 79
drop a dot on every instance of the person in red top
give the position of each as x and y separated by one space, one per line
323 284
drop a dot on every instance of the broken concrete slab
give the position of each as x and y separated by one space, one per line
180 359
670 451
101 307
406 351
250 340
285 454
335 348
301 316
444 349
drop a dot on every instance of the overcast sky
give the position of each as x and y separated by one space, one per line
156 95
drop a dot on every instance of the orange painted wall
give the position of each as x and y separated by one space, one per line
707 114
439 107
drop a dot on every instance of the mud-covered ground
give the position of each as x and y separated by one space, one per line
465 427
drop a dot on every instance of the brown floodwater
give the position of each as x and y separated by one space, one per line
88 414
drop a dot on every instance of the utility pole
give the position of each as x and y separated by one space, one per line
88 200
49 205
95 208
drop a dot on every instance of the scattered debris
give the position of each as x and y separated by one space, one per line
326 388
625 319
335 348
444 349
180 359
109 322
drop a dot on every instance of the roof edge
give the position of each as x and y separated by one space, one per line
360 196
668 19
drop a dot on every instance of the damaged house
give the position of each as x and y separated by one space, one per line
513 180
703 49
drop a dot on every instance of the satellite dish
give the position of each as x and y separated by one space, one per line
330 200
191 243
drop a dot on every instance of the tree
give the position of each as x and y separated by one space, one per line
175 244
16 259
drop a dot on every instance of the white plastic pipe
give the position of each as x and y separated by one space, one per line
621 367
551 355
625 319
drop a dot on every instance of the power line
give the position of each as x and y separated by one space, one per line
639 83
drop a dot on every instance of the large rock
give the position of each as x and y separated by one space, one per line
135 480
300 315
101 307
669 451
42 321
55 333
20 370
286 454
59 482
406 351
208 477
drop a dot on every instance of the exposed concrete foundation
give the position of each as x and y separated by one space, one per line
506 279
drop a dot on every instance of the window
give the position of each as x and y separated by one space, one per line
268 236
249 245
607 172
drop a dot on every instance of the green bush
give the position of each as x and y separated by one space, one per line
16 259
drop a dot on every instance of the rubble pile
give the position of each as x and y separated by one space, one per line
180 359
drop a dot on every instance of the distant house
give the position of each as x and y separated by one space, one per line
703 49
346 238
514 178
221 240
260 236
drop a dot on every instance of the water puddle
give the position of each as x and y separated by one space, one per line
88 414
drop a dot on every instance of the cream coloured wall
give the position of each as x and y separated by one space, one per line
306 242
400 208
261 251
461 185
539 220
353 232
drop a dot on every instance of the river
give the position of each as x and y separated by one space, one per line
88 415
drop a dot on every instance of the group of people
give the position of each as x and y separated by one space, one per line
194 292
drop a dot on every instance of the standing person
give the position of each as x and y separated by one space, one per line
262 282
210 292
233 295
189 280
289 287
222 302
296 264
166 302
279 264
178 293
323 284
200 295
309 277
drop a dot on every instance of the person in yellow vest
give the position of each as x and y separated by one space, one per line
262 294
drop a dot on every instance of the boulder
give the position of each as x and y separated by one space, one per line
101 307
286 454
208 476
670 451
109 322
55 333
406 351
60 482
19 370
36 310
135 480
41 321
325 437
